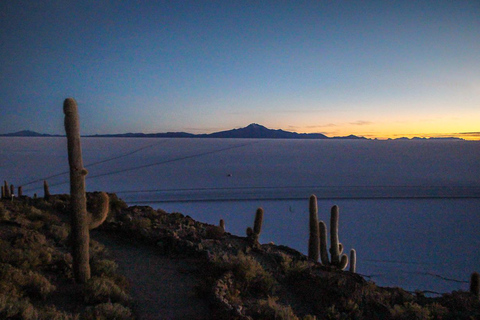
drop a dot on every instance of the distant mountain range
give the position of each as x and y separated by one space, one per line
252 131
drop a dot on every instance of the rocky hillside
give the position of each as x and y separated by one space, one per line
241 278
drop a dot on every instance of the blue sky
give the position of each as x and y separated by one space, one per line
372 68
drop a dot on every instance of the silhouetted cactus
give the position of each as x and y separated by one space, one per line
254 234
257 225
79 218
337 259
46 190
222 224
353 261
475 284
6 189
20 191
322 227
314 235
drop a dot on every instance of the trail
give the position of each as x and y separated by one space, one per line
162 287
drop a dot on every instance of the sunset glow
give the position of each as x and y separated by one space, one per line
375 69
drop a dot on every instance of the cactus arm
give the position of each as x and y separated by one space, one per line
222 224
343 262
98 216
79 218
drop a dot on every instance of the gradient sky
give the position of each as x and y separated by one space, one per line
371 68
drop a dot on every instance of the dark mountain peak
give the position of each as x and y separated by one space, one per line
25 133
255 126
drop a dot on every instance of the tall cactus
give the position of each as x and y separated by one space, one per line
6 189
46 190
254 234
257 225
313 240
334 243
20 191
79 218
337 259
475 284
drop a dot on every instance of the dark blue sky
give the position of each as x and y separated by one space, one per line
373 68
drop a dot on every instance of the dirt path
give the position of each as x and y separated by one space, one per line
163 287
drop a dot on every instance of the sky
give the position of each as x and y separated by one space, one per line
379 69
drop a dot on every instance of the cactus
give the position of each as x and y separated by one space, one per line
334 243
79 218
254 234
20 191
257 225
323 243
337 259
353 261
475 284
6 189
313 240
222 224
46 190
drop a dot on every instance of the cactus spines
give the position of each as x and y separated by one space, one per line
46 190
353 261
222 224
257 225
314 236
79 218
99 213
475 284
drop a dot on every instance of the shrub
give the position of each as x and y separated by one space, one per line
103 267
32 283
249 274
101 290
410 311
106 311
270 309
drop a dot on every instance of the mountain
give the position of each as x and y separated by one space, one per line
256 131
252 131
26 133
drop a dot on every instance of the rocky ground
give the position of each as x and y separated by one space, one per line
232 277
